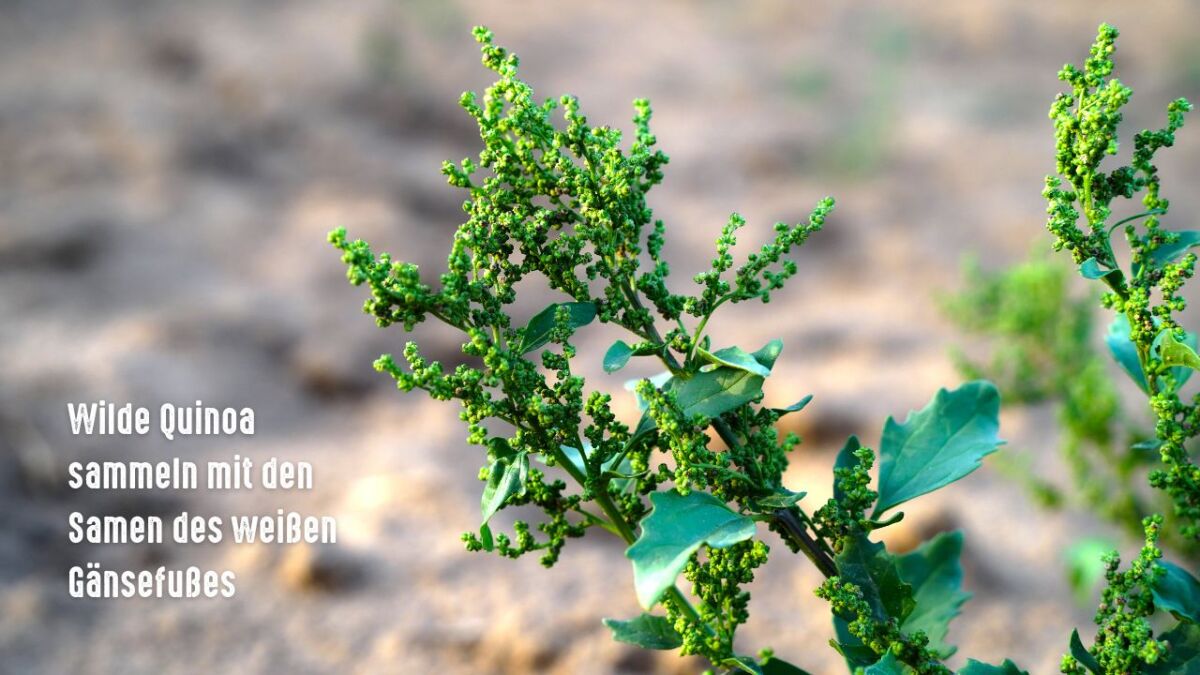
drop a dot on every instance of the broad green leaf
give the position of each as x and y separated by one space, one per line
717 391
939 444
485 537
617 356
713 392
1085 565
610 465
1182 372
1178 592
673 531
769 353
1091 269
934 572
1171 252
974 667
744 664
735 357
1151 445
782 498
774 666
845 460
505 478
646 631
1124 352
1083 656
795 407
537 332
888 665
868 565
1175 353
1183 656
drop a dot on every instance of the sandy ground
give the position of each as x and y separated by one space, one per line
167 175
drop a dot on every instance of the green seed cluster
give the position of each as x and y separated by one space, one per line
717 577
564 202
1086 121
1125 642
844 515
880 635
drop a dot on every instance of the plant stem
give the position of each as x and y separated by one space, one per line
788 522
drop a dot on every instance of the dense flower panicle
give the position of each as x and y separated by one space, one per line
1086 123
565 201
1125 642
554 198
1146 339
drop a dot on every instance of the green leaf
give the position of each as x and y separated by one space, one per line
744 664
868 565
673 531
795 407
506 477
1083 656
888 665
617 356
782 498
713 392
717 391
1175 353
1124 352
1181 372
610 465
939 444
735 357
769 353
934 572
1178 592
1091 269
1167 253
974 667
537 332
1150 446
1085 565
774 666
1183 657
646 631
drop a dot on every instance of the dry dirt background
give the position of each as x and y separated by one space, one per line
168 172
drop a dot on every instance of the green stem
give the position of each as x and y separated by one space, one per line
699 334
1151 212
789 523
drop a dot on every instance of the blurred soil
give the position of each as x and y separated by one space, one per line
168 172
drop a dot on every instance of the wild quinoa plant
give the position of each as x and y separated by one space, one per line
691 485
1043 351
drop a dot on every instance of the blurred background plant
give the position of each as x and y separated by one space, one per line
1034 333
